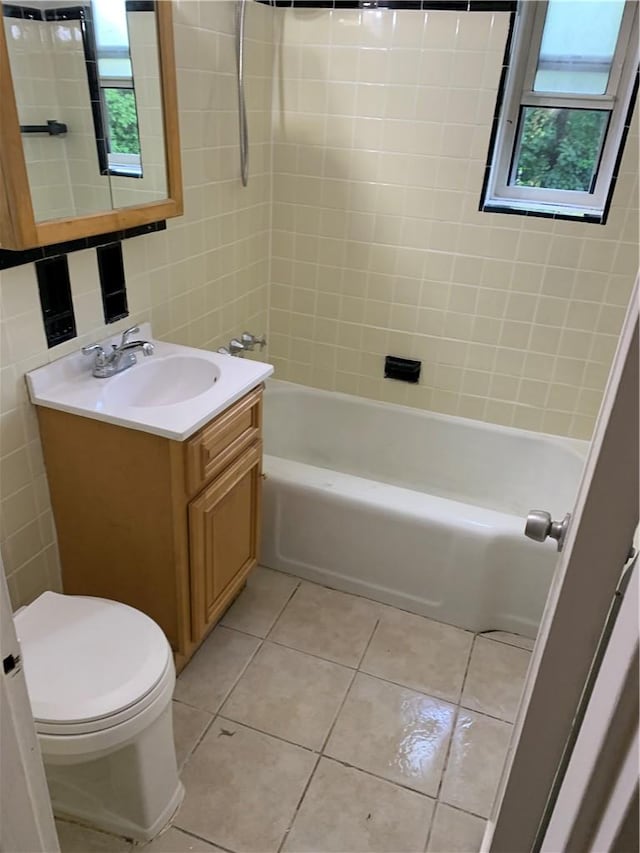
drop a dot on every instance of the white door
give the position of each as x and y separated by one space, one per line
596 808
595 551
26 819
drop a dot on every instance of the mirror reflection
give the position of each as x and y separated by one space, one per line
88 92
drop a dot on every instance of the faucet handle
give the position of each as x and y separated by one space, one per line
97 349
125 335
250 341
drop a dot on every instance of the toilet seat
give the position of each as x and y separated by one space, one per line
111 721
90 663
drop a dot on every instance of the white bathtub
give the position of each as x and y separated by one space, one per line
422 511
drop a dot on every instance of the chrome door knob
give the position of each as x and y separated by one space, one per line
541 526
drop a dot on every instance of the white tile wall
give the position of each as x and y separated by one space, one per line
381 129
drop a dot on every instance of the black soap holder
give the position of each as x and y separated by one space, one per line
404 369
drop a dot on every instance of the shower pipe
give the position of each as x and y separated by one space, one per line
242 107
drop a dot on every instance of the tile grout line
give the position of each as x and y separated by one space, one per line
290 598
464 811
450 745
485 636
373 775
311 654
228 719
299 804
199 837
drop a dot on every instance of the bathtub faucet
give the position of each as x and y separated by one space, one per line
251 341
247 343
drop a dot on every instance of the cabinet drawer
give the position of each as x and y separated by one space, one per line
218 444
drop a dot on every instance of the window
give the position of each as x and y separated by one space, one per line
117 93
566 103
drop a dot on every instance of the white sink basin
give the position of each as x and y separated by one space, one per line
171 393
162 382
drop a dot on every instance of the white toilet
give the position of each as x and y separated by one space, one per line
100 677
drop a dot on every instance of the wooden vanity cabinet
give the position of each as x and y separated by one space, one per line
169 527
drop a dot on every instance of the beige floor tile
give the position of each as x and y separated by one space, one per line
345 809
495 678
290 694
261 602
419 653
393 732
74 838
511 639
478 751
454 831
214 669
188 726
330 624
242 788
176 841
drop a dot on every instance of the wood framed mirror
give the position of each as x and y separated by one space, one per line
89 135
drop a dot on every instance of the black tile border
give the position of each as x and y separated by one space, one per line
65 13
25 13
56 301
623 141
140 6
419 5
9 258
495 122
113 282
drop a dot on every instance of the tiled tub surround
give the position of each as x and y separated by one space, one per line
414 509
312 720
381 130
201 282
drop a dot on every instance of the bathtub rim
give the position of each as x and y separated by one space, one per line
577 446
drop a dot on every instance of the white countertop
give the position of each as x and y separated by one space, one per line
69 386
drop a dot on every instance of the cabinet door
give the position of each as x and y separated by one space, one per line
224 529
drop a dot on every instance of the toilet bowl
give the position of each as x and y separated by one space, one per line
100 677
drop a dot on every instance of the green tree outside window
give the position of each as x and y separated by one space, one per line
123 121
560 148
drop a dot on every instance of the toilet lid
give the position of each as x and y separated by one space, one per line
87 658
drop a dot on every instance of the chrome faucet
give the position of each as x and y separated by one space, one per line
235 347
246 343
120 358
250 341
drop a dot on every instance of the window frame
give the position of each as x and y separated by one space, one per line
522 63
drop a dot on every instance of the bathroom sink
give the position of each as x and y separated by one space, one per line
171 393
162 382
